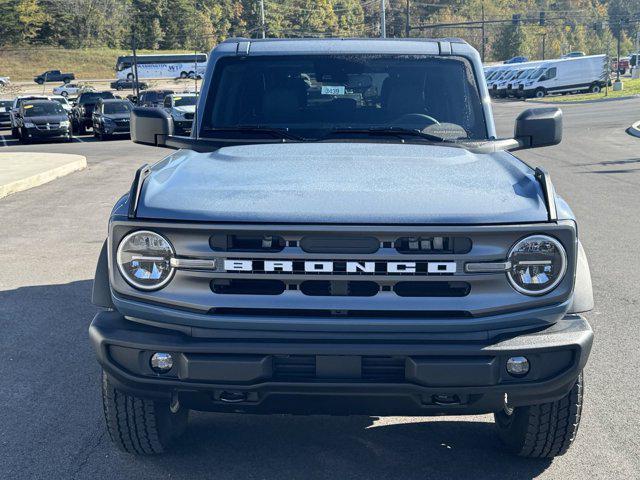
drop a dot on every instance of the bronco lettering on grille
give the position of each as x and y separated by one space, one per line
342 267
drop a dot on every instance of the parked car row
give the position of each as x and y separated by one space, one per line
573 74
32 117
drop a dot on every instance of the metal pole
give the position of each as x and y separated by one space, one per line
383 20
618 54
264 30
407 27
544 38
136 86
483 39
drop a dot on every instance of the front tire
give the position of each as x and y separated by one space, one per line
540 93
64 94
138 425
542 431
595 88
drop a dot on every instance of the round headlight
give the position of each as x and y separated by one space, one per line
538 264
144 258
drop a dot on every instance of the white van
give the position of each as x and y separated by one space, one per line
568 75
505 86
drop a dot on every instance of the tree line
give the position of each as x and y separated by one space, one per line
589 25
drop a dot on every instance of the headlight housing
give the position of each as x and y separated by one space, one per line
144 260
537 264
64 123
29 124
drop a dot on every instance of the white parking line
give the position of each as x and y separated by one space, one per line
78 139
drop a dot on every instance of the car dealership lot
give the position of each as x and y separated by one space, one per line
51 412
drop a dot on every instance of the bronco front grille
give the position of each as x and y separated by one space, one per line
358 274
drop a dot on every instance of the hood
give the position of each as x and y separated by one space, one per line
42 119
117 116
342 183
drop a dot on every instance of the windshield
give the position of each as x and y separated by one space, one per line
314 96
155 96
117 107
536 73
5 104
184 101
60 100
40 109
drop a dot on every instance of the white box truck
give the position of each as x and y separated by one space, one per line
568 75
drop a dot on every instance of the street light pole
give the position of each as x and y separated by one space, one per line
383 20
483 38
264 30
407 27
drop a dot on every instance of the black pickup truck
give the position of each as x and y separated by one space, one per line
54 76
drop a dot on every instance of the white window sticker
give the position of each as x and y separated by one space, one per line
333 90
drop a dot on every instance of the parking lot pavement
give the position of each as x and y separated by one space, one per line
51 422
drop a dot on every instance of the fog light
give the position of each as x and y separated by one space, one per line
161 362
518 366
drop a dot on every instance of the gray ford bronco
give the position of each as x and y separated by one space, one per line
343 233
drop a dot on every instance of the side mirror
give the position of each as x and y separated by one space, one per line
150 126
539 127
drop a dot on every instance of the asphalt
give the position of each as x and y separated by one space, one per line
51 422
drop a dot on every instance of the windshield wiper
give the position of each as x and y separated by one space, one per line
391 131
276 132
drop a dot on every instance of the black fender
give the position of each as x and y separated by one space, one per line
101 293
583 291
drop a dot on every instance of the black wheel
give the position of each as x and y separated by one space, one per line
542 431
138 425
540 93
119 87
40 81
595 88
184 74
130 76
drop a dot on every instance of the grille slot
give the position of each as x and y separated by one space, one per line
294 367
247 242
432 289
325 244
433 244
323 288
303 368
248 287
383 369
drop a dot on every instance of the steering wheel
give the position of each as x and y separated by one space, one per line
415 118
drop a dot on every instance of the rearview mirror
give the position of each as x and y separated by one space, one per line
150 125
539 127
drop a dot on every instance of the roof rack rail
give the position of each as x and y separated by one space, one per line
134 194
543 177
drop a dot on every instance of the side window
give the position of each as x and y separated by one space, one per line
551 73
167 102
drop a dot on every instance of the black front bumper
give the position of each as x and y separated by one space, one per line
355 377
37 133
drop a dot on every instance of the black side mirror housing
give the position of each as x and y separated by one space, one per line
539 127
150 125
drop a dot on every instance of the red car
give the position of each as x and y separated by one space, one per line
622 68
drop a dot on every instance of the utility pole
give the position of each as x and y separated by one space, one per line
383 20
407 26
544 39
264 30
134 46
483 38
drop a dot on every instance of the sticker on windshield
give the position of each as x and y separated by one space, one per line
28 106
333 90
2 109
177 98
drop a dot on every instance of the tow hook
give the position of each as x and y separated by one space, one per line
233 396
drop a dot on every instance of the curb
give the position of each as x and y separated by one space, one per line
634 130
577 102
75 163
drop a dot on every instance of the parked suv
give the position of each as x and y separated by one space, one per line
42 119
343 233
111 117
82 112
182 108
153 98
5 112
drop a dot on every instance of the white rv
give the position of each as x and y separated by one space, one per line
567 75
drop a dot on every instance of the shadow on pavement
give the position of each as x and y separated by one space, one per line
53 375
